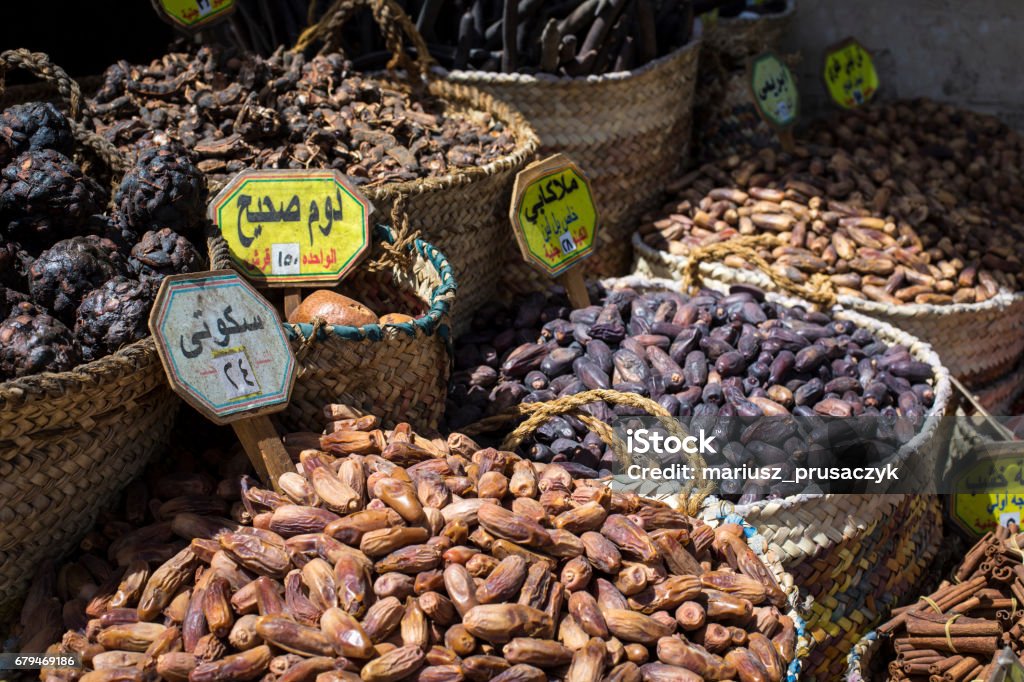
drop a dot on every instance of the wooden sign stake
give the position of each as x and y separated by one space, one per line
225 353
292 299
263 445
574 285
555 222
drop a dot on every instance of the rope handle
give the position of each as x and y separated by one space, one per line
692 496
393 23
39 64
397 254
818 288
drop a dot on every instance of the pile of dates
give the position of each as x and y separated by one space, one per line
853 215
237 111
390 557
723 362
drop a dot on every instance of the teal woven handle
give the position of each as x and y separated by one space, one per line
429 323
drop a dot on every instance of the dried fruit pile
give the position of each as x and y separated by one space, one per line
883 224
576 38
728 363
77 283
392 557
237 111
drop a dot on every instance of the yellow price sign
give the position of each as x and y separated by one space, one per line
286 228
192 15
850 75
774 90
553 214
989 491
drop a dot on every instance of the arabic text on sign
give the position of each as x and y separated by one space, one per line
991 493
219 330
850 76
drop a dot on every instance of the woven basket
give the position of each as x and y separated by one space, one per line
398 372
999 396
978 342
710 509
69 441
464 213
628 131
849 551
725 119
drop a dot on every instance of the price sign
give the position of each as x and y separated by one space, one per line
850 75
989 488
553 214
774 91
226 354
193 15
287 228
555 221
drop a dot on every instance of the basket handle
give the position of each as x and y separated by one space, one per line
817 290
39 64
393 23
537 413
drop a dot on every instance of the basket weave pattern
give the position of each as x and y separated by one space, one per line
70 441
628 132
725 120
855 583
397 372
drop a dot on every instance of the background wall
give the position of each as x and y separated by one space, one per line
966 52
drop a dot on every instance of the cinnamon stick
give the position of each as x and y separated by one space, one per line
985 646
923 626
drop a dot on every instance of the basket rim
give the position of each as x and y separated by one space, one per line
429 322
724 273
433 320
527 141
476 76
130 358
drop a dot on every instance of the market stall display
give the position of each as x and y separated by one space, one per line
627 123
392 555
854 228
709 357
83 403
435 155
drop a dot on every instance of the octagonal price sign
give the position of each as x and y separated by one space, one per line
773 90
288 228
193 15
222 346
849 73
553 214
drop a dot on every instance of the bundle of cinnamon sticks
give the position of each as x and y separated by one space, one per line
953 634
